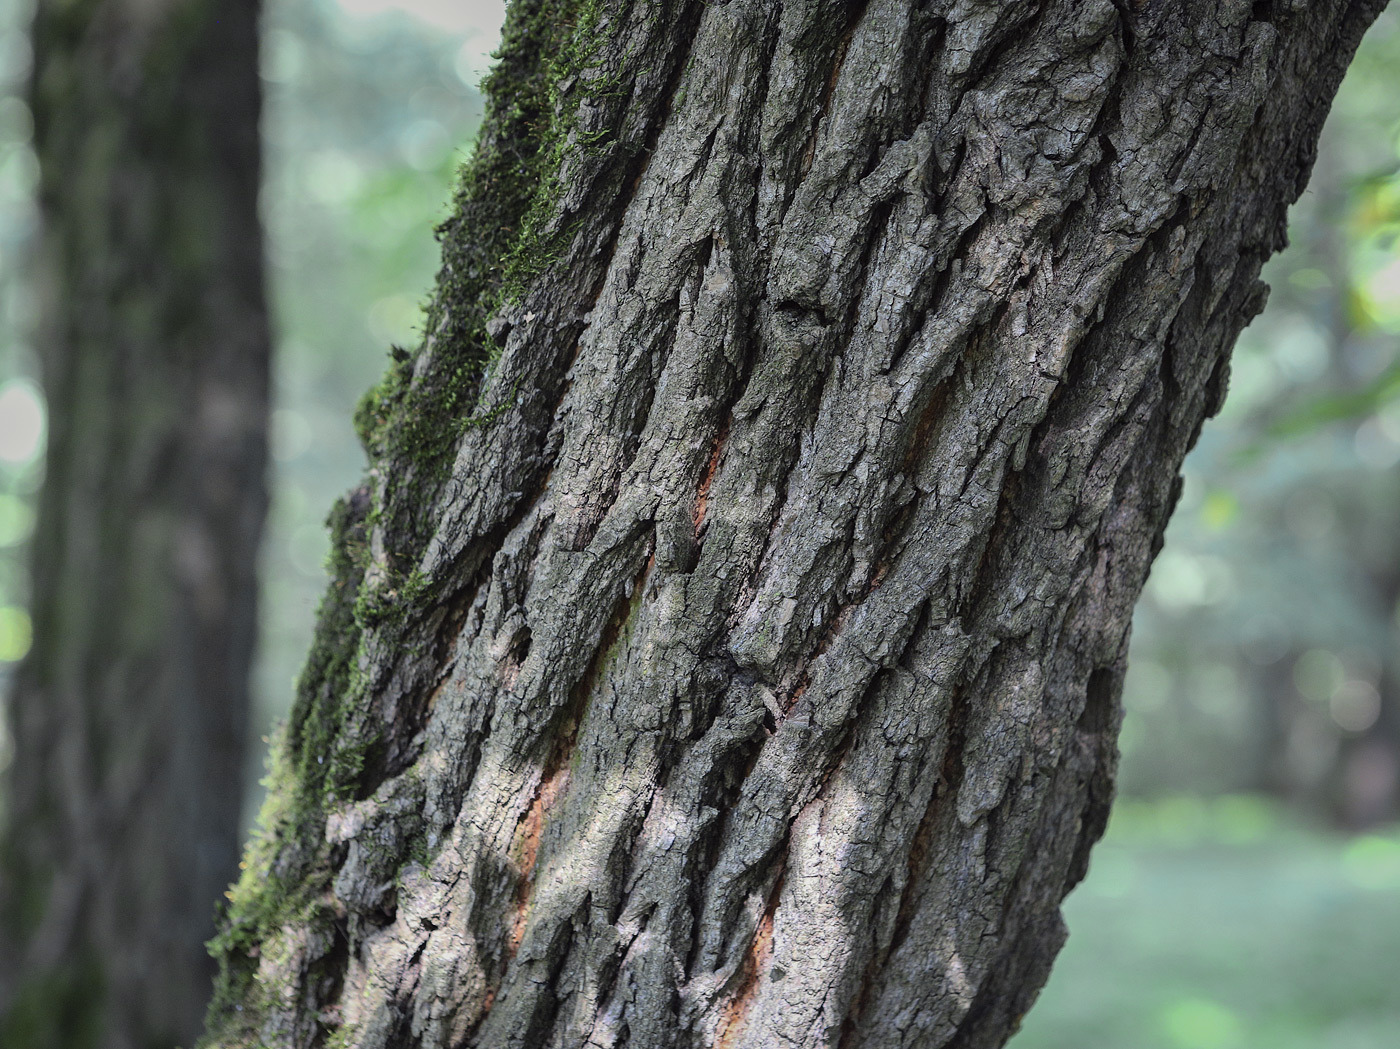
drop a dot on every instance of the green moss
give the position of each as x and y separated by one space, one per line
284 876
380 605
262 900
419 418
503 231
329 682
571 71
342 1037
375 410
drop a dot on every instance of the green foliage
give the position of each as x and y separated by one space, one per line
1328 407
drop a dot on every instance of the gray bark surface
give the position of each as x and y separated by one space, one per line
129 715
725 649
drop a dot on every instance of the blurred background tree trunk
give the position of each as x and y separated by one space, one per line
725 649
128 715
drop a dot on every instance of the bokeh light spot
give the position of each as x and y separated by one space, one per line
1243 818
1310 279
1318 674
333 177
291 434
283 56
1147 686
16 634
1355 706
1199 1023
395 318
1181 581
16 520
1219 509
21 422
307 550
1373 862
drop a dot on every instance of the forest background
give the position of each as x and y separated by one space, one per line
1248 892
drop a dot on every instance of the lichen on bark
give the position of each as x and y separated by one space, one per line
745 670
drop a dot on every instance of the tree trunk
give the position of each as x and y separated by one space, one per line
129 713
725 649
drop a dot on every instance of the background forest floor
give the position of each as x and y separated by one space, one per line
1227 924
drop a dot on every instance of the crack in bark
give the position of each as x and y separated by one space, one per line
735 1011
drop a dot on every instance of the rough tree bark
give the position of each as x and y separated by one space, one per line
129 714
725 649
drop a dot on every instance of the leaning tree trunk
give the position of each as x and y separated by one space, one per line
726 647
129 714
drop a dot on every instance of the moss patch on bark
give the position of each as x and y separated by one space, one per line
498 237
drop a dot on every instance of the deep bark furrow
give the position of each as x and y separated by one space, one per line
856 470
